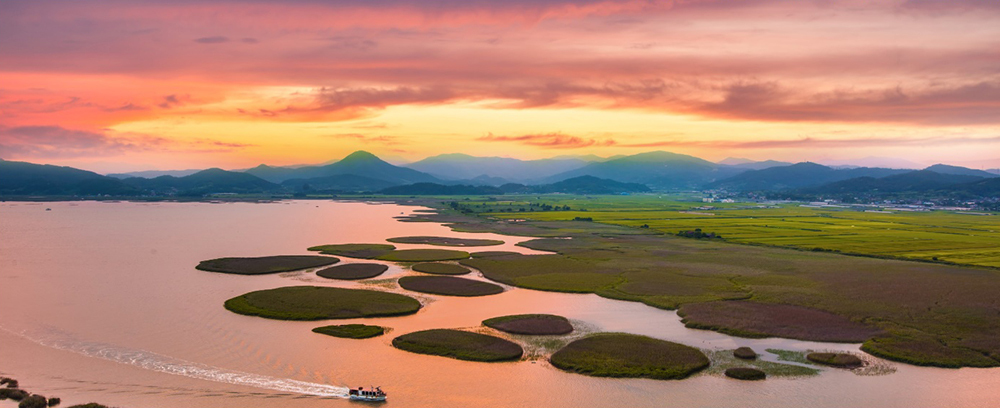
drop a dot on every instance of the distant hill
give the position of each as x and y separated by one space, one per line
914 181
154 173
577 185
748 164
766 164
661 170
22 178
798 175
440 189
734 161
211 181
462 166
958 170
983 188
340 182
874 162
360 163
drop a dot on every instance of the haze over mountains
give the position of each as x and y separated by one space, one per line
463 174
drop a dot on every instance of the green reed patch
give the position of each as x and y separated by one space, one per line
318 303
351 331
629 355
459 344
265 264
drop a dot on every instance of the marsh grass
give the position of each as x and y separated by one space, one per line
460 345
745 373
531 324
423 255
353 271
449 286
841 360
440 268
265 264
445 241
724 359
351 331
871 366
318 303
629 355
363 251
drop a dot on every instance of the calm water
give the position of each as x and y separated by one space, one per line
101 302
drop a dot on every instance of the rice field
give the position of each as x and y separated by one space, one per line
945 236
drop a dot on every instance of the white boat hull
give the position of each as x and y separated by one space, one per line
367 398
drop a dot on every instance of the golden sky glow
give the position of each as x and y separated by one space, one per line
134 85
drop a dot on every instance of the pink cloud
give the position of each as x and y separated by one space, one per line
549 140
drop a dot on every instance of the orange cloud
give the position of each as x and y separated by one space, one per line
549 141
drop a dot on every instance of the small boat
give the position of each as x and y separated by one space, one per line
373 394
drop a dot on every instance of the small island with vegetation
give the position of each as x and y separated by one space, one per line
445 241
423 255
318 303
362 251
265 264
841 360
438 268
531 324
449 286
351 331
460 345
629 355
353 271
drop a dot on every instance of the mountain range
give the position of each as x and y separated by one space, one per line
364 172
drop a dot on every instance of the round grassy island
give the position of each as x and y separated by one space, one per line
745 373
363 251
745 353
489 254
353 271
423 255
842 360
318 303
449 286
441 268
536 324
629 355
351 331
445 241
265 264
459 344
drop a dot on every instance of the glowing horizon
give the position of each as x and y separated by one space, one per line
116 85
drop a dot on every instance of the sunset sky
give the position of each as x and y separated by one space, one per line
141 84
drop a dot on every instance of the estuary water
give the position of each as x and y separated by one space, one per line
100 301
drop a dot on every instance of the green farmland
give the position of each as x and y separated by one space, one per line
945 235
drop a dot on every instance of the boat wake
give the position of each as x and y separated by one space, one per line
169 365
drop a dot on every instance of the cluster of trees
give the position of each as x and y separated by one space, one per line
698 234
